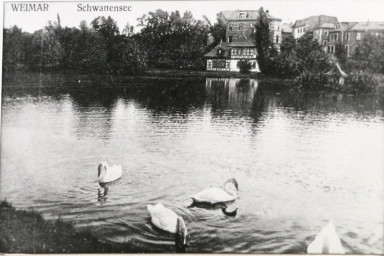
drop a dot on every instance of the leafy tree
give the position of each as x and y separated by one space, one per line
244 66
12 48
172 40
341 54
369 54
264 45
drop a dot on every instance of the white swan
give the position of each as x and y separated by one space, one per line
326 242
169 221
108 173
218 195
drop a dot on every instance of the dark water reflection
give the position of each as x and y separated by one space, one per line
299 158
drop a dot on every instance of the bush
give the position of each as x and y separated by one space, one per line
244 66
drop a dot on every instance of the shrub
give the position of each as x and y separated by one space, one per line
244 66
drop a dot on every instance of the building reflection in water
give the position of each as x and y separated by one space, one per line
233 94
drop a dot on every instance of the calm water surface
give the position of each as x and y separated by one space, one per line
300 159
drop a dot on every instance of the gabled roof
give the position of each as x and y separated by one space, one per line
326 25
344 26
250 15
336 70
242 41
315 21
368 25
213 52
286 28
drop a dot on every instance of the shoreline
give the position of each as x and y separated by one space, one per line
73 79
25 231
69 79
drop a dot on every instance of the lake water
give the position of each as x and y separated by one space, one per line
300 159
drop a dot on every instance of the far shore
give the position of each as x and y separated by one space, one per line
72 79
65 78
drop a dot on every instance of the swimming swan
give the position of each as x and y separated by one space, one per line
218 195
108 173
326 242
167 220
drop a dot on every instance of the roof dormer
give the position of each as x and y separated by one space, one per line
243 15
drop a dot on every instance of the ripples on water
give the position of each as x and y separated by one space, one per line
300 159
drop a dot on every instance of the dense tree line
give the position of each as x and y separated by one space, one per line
301 58
165 41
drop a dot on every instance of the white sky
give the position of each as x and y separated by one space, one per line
287 10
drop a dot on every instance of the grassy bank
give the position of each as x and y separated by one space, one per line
27 232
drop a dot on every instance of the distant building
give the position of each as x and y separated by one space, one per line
339 35
239 45
225 56
357 32
321 34
286 30
300 27
243 21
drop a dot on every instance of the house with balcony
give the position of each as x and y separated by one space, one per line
300 27
239 44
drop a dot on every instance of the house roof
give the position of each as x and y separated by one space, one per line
213 52
242 41
315 21
326 25
286 28
344 26
250 15
336 70
368 25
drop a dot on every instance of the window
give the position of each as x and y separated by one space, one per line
220 52
358 36
337 26
347 48
242 15
219 64
337 37
331 48
241 26
278 28
347 37
230 27
277 39
233 52
326 32
230 39
325 42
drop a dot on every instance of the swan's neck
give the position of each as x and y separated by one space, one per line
102 171
230 189
180 235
